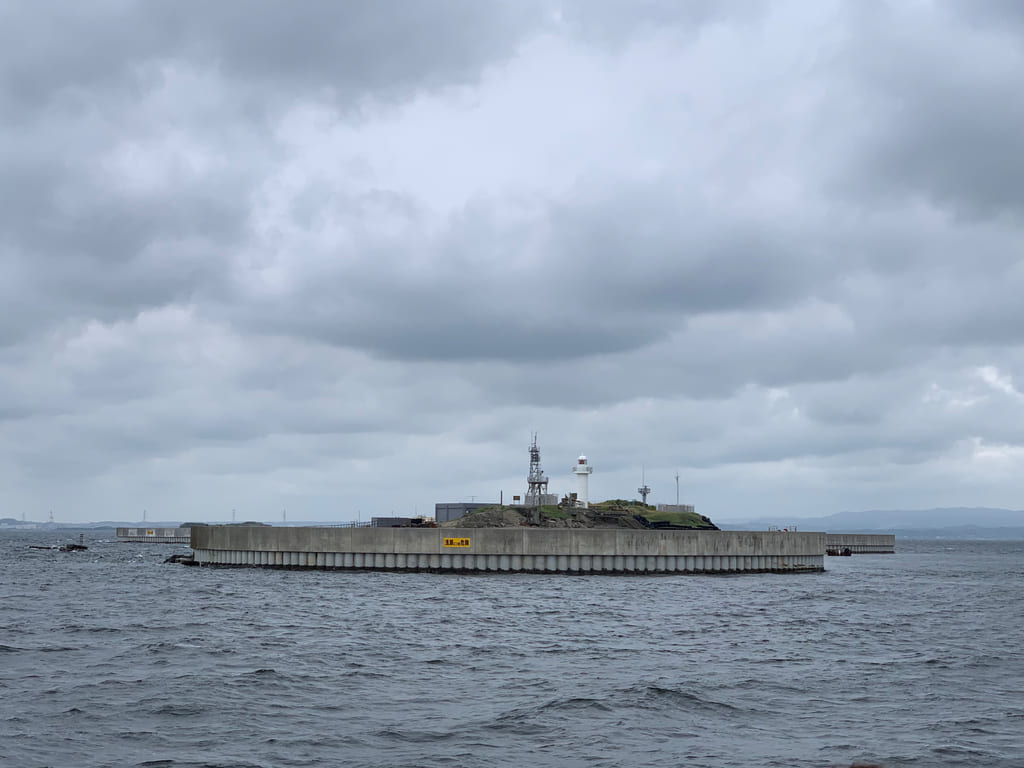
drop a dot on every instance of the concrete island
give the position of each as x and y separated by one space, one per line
520 549
541 535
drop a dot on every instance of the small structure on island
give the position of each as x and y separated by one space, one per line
582 470
536 481
644 490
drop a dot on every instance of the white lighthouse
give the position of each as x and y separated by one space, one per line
582 471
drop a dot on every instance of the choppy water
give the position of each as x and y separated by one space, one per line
111 658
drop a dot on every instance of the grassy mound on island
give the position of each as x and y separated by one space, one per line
615 513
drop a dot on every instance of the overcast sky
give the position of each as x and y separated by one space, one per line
343 258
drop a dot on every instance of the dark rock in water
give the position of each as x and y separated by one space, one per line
183 558
73 547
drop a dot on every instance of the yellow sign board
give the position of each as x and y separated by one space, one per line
456 542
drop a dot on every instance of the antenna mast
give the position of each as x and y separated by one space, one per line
643 490
536 481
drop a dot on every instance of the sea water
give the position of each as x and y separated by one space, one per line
110 657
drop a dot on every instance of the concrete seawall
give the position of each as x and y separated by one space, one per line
145 535
861 543
511 550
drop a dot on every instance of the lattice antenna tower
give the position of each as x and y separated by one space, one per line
536 481
643 490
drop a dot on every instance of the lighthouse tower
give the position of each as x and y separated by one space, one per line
582 471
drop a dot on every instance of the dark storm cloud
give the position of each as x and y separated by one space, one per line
351 48
614 23
941 120
78 85
258 251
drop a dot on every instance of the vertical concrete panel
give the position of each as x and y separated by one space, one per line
378 560
402 561
529 563
357 559
574 563
551 562
504 563
651 564
389 561
348 560
563 563
629 563
515 563
618 563
586 563
661 563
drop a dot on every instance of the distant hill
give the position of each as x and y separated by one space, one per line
945 522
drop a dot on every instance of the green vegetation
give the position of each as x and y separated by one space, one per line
552 512
631 504
614 513
685 519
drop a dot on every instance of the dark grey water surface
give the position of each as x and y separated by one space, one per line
111 658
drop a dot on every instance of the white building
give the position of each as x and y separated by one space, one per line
582 471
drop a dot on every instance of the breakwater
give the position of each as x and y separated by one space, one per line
528 550
861 543
154 535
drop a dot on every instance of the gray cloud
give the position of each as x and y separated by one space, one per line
257 259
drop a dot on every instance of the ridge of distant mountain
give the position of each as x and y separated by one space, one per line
954 522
